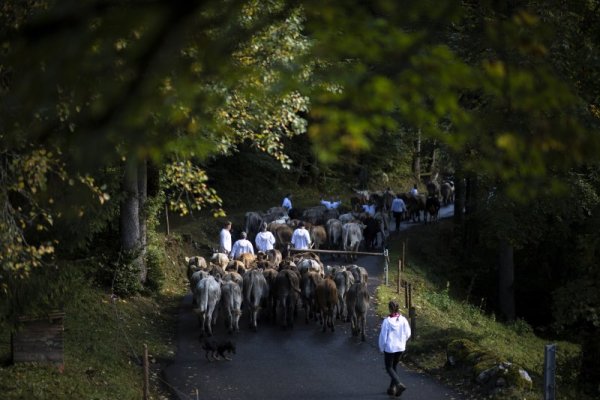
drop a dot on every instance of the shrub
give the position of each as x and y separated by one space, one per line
155 261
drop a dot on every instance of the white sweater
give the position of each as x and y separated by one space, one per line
395 331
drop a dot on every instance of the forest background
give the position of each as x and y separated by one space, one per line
110 110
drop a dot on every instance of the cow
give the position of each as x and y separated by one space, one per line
235 277
220 259
314 215
274 214
330 214
447 192
236 266
415 205
348 217
334 234
283 237
287 288
206 299
352 235
194 264
231 305
252 223
310 264
360 273
370 232
256 293
195 278
309 282
327 300
433 189
270 275
432 208
357 300
248 259
318 235
343 280
275 257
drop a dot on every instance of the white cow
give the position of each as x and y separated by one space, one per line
352 235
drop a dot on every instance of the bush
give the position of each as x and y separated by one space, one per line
126 277
155 261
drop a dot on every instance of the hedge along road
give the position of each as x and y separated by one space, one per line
303 363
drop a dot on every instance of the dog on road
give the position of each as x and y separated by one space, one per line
218 350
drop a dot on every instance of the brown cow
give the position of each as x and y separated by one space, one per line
318 235
327 300
287 287
248 259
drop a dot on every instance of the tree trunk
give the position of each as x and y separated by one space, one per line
417 158
130 215
506 280
142 183
433 169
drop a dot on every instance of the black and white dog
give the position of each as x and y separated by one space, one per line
217 350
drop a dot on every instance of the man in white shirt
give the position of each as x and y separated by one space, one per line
287 202
369 209
331 205
264 239
241 246
398 210
225 238
301 237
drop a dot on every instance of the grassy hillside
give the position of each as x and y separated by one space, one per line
443 315
103 343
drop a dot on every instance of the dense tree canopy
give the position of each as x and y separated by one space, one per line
94 90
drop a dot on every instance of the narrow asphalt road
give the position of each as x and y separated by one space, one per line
303 363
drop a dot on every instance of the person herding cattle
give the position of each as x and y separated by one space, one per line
287 202
414 192
395 331
241 246
369 209
331 205
264 239
301 237
225 238
398 210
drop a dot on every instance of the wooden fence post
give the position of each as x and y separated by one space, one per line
412 314
403 254
409 295
405 294
399 275
146 374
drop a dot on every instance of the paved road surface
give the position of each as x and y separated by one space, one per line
303 363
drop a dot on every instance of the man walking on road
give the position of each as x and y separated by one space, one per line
225 238
398 210
395 331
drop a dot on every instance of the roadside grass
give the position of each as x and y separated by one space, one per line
442 317
103 343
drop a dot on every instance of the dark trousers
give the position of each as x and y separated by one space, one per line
391 362
398 218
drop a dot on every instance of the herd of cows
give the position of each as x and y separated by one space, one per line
276 284
271 287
